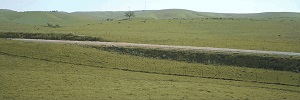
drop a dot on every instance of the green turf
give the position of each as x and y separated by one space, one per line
265 31
56 71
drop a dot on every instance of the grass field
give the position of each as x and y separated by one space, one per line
56 71
60 71
260 32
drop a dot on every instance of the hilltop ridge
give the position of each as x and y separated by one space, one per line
42 17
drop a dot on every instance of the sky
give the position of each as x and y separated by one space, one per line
218 6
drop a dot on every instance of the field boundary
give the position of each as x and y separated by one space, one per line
164 47
285 61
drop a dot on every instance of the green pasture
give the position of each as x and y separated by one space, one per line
63 71
56 71
279 34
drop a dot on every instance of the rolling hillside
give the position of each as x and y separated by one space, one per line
31 70
181 13
264 31
41 18
150 14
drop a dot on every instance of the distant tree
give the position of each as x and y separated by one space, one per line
108 19
129 14
54 11
49 25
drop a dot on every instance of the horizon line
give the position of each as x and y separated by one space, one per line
150 10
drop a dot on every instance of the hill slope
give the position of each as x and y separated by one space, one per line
180 13
151 14
39 17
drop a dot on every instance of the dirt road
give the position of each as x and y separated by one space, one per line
120 44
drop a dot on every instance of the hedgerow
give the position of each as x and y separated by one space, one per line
283 63
50 36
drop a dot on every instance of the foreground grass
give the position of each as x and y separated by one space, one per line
47 80
56 71
72 54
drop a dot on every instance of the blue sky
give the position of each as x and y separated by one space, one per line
220 6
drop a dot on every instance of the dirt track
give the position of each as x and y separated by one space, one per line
119 44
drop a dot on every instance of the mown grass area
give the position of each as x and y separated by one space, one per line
270 34
57 71
34 79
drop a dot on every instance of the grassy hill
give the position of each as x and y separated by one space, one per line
58 71
266 15
273 31
6 10
186 14
39 17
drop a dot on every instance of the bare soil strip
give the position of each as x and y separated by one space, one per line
121 44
